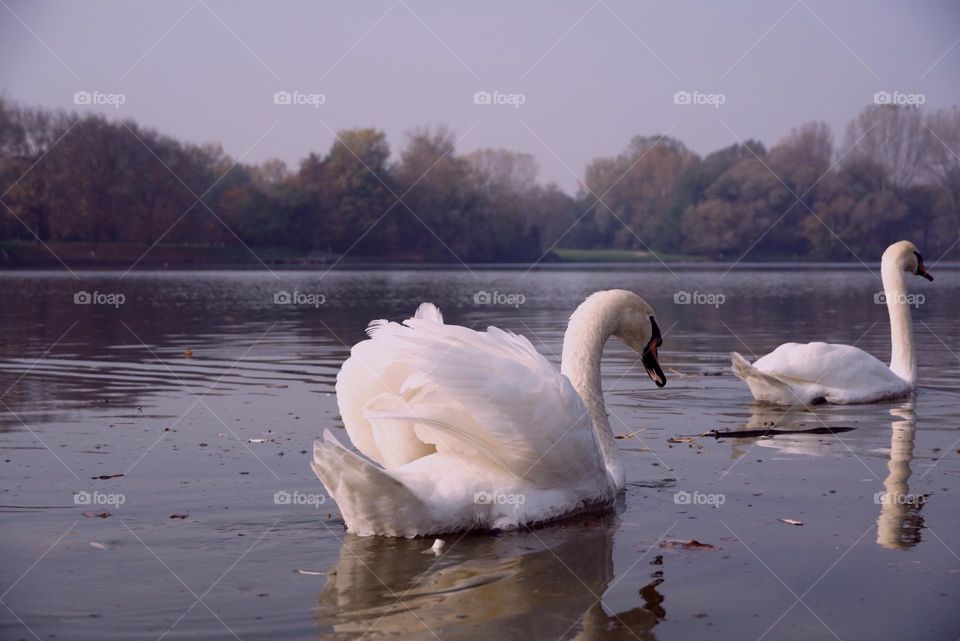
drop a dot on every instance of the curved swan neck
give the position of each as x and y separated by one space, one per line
903 361
593 322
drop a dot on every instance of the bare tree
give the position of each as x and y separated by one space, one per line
891 136
503 170
942 155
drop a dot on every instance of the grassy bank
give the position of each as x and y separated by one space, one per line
615 256
123 255
24 255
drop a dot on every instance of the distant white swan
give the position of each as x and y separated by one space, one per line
477 430
825 372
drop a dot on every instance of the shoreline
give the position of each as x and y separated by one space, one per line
19 257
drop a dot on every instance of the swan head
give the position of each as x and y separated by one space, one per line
636 326
906 257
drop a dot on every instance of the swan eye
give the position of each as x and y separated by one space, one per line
656 332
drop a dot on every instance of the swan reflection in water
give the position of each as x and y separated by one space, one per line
538 584
900 522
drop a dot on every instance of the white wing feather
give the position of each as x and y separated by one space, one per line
423 386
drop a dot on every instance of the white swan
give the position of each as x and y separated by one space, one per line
477 430
796 373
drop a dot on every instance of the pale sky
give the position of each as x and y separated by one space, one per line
591 74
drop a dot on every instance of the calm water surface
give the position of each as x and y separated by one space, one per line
205 395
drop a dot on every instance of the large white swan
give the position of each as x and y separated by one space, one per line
797 373
477 430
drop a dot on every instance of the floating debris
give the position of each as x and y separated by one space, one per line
309 572
96 515
98 546
179 515
758 433
105 477
790 521
775 432
692 544
437 547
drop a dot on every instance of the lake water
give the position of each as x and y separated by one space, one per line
206 396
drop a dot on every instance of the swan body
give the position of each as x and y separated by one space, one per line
461 429
808 373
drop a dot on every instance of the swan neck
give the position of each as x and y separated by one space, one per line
903 361
589 328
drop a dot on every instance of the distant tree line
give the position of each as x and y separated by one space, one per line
895 175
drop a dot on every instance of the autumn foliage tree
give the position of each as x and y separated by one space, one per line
896 174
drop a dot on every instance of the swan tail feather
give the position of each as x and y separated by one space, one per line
741 366
371 501
763 385
744 370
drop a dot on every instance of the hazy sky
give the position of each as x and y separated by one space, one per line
591 74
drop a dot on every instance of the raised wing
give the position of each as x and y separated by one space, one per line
423 386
